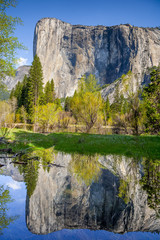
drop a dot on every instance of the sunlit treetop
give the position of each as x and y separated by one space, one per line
8 42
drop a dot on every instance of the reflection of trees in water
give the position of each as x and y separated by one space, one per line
5 198
127 170
124 190
30 173
46 157
85 168
151 183
30 170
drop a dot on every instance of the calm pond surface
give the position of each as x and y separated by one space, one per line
62 196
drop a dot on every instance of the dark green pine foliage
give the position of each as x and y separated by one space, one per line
107 108
67 104
20 93
151 96
53 95
12 93
24 92
17 92
34 85
49 93
117 105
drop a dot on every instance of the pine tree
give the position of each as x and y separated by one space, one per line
116 105
24 94
107 109
34 86
52 91
12 93
151 96
30 98
17 92
49 93
67 104
36 80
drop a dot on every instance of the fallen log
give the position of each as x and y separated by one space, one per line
55 165
6 150
19 162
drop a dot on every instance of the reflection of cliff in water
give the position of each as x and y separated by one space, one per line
114 201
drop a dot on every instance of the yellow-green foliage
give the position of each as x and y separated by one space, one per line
86 104
123 190
5 109
127 83
86 168
64 119
46 115
151 183
46 156
5 198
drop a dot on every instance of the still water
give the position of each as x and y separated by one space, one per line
63 196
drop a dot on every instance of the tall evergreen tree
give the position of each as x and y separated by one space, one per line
118 100
34 85
151 95
107 109
24 93
53 95
67 104
16 93
36 80
49 93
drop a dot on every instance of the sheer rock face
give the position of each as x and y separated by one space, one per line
61 201
69 51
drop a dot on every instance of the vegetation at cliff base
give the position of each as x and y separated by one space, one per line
130 112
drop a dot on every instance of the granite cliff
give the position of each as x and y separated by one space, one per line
69 51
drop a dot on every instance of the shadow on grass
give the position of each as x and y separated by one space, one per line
131 146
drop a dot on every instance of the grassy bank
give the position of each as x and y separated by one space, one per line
145 146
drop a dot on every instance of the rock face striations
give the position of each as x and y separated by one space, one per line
69 51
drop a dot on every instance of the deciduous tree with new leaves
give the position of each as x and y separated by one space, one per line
86 104
8 42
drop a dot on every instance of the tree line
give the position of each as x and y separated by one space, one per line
134 112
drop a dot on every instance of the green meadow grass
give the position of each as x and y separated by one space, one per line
131 146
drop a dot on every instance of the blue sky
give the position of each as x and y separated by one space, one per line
144 13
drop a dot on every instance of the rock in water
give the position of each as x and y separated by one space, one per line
69 51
